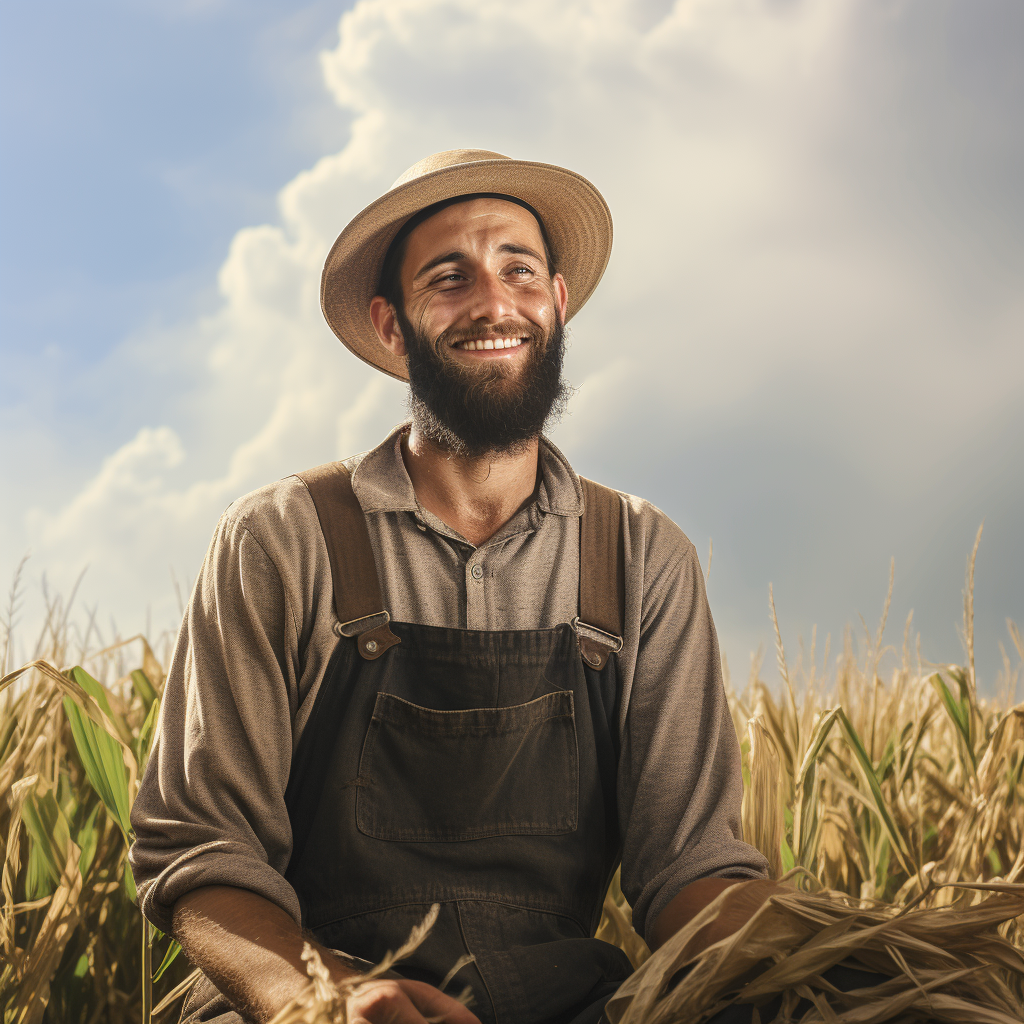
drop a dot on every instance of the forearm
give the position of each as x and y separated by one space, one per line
744 901
248 947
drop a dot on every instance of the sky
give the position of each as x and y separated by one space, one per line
808 348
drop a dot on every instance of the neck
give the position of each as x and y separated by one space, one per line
474 495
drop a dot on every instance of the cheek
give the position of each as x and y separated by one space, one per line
539 302
432 316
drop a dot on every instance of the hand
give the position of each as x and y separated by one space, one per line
404 1002
743 899
741 902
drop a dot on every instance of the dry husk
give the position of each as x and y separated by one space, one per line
945 963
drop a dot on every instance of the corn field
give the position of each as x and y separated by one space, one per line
890 802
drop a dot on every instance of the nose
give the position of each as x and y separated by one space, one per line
491 299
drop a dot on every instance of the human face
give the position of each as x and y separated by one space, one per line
476 272
485 348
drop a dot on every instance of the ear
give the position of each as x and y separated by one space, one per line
561 294
385 323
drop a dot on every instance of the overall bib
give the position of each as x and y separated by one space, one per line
473 769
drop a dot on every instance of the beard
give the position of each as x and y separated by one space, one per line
490 409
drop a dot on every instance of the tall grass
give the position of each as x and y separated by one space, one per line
892 801
73 746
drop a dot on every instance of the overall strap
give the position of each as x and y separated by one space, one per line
602 574
357 599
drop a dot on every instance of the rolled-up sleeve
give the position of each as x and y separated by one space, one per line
680 786
210 809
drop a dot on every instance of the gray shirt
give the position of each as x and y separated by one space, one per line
260 629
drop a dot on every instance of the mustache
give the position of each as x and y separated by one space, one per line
503 329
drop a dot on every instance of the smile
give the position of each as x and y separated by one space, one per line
488 343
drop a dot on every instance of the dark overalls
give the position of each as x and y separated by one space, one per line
473 769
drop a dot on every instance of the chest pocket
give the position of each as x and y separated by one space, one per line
451 776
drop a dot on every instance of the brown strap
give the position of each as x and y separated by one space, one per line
602 571
353 571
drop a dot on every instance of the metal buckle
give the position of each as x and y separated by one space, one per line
354 627
607 639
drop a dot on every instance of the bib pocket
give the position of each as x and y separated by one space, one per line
450 776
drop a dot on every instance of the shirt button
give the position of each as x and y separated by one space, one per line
478 572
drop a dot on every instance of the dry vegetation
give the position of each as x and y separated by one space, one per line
893 802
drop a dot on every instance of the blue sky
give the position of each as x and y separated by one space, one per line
137 138
807 348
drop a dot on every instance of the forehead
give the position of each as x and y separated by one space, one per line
474 224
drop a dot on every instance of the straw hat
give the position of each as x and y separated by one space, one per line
574 213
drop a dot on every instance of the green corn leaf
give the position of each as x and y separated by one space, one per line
144 688
145 738
911 755
818 739
885 763
960 678
50 839
88 840
129 882
39 880
805 819
6 734
48 829
172 951
100 754
788 860
867 772
959 715
118 727
953 706
67 798
882 867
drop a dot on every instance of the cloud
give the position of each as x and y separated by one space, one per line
805 273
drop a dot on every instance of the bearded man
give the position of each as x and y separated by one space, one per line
448 671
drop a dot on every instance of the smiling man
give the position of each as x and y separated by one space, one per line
448 671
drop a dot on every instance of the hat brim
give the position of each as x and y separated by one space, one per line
575 215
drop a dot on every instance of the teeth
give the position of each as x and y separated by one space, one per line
489 343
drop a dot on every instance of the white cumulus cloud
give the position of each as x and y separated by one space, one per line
803 269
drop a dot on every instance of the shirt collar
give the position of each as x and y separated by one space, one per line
381 482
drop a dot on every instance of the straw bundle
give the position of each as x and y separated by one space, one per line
944 964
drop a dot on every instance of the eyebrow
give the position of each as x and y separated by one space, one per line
456 256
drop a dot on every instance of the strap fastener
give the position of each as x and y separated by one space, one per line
373 635
596 646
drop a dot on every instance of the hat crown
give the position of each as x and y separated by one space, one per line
447 158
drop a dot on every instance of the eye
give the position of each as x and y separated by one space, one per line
449 277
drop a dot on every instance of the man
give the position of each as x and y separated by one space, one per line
449 670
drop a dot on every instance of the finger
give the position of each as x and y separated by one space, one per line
435 1005
386 1003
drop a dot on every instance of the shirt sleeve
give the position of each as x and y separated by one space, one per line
680 785
210 809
